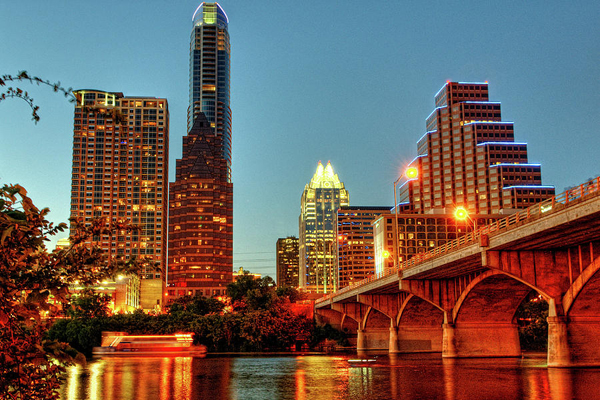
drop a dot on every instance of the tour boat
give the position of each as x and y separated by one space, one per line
122 344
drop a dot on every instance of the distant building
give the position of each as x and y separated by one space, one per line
287 261
242 272
120 172
321 199
468 157
62 244
124 292
355 242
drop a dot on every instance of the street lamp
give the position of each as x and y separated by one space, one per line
410 174
461 214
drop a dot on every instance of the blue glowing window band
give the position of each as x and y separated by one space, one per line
437 108
425 134
514 165
443 87
489 122
398 205
528 187
471 83
502 143
416 158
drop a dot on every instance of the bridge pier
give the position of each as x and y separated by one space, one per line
360 340
393 346
463 340
572 341
448 341
559 354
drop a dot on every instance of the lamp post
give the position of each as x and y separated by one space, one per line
386 255
461 214
410 174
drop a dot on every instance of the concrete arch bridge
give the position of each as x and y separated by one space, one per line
460 299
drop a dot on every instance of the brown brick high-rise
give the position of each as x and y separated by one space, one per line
468 157
200 217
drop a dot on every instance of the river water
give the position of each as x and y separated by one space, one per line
313 377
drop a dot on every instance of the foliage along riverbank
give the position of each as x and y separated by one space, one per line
260 317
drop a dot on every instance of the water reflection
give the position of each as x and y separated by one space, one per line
326 377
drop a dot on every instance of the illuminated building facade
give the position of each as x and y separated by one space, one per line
418 234
200 217
209 74
355 242
468 157
321 199
120 170
201 198
287 261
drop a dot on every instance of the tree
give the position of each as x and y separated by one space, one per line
29 275
197 305
249 292
533 327
89 304
18 93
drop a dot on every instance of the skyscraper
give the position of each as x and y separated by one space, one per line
120 172
201 198
468 157
287 261
321 199
200 217
209 74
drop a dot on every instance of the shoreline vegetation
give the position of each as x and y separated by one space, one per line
256 317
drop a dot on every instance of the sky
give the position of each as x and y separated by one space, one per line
349 82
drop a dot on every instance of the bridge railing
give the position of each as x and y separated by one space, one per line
548 206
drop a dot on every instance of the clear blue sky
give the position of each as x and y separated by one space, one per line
348 81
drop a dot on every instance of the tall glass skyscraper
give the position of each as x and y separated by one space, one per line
200 260
209 73
321 199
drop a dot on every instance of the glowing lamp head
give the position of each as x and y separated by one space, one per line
385 254
341 237
412 173
461 213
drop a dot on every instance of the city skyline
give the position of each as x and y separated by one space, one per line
301 101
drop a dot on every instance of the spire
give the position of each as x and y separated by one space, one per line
325 177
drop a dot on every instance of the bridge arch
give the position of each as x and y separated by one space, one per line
375 319
483 318
419 325
349 324
572 336
495 286
582 297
